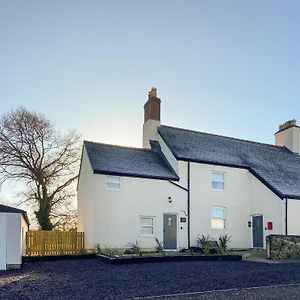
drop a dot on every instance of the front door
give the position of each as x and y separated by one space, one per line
257 231
170 232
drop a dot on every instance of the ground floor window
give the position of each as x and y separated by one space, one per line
146 226
218 218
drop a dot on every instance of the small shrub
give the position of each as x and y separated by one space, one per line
203 243
159 247
127 251
109 251
223 242
134 247
98 249
220 250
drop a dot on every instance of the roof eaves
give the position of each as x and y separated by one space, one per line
292 197
83 146
209 162
168 145
163 157
125 174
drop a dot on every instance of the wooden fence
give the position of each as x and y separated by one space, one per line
41 242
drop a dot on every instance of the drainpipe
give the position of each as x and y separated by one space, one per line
188 202
286 216
188 206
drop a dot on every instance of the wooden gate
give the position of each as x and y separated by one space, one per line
42 242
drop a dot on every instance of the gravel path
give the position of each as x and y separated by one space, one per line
93 279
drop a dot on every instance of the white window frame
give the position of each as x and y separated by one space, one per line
111 188
149 226
211 181
224 217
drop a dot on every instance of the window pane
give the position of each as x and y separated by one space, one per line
113 179
112 185
113 182
217 185
217 224
146 221
147 230
218 177
218 213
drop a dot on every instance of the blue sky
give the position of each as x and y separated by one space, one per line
225 67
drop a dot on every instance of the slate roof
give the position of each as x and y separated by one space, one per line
277 167
127 161
9 209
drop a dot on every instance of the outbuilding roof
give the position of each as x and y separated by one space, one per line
128 161
9 209
277 167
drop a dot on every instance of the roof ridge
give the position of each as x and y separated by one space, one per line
12 207
118 146
224 136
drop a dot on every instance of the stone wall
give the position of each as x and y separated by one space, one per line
283 246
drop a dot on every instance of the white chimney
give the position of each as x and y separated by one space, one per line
289 135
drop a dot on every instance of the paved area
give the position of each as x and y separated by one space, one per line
93 279
256 293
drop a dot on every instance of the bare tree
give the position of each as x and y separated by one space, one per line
34 153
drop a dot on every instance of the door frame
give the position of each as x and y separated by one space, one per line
263 230
177 230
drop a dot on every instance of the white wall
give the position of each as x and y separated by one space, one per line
168 154
24 229
264 202
85 203
12 245
290 138
111 218
2 241
293 217
150 132
235 199
244 196
13 235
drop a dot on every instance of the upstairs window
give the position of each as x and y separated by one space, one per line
113 183
147 226
218 218
218 181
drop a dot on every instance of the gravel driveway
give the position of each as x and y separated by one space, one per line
93 279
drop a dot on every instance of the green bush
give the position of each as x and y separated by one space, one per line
223 242
134 247
203 243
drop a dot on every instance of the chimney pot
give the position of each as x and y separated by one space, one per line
152 106
288 124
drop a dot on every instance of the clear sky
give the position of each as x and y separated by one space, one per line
226 67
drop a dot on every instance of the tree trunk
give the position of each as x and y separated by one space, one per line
43 215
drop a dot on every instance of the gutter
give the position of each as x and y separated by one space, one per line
286 216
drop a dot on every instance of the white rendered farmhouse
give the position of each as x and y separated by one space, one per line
185 183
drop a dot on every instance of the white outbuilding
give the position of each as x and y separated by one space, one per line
14 224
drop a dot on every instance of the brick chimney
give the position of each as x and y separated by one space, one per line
288 135
151 118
